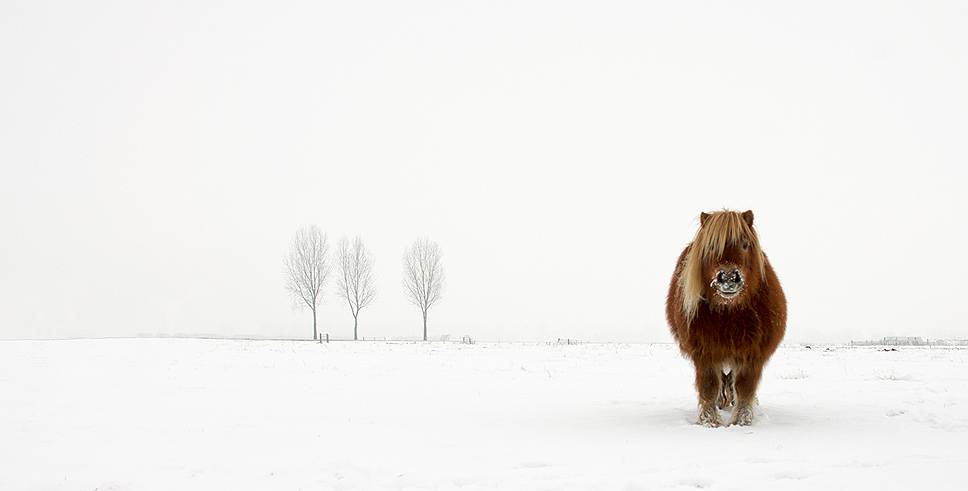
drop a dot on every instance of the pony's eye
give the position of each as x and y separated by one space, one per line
746 244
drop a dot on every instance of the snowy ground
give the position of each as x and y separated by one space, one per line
216 414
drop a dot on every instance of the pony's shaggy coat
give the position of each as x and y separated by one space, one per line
728 339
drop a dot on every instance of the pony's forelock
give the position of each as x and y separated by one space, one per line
717 232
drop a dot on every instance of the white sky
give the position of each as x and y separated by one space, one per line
157 157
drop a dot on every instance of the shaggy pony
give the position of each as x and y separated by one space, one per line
727 312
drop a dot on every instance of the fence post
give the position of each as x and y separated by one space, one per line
327 337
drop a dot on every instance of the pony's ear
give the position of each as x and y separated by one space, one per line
703 217
748 217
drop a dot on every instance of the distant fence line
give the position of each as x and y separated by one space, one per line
910 341
567 341
446 338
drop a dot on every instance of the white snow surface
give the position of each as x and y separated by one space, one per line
162 414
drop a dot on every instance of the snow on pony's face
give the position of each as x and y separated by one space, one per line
729 257
727 277
723 265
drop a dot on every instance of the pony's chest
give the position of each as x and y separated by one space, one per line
726 327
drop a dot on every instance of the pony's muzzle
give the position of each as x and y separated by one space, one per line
728 281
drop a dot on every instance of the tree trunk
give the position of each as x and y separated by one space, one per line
354 328
425 325
315 337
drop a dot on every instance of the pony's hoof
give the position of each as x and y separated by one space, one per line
709 417
743 416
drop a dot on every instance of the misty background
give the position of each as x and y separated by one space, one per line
157 159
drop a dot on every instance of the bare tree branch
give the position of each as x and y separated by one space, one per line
423 276
307 268
356 278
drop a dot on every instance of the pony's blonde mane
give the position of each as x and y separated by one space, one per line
718 231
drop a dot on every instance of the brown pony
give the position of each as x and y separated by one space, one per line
727 312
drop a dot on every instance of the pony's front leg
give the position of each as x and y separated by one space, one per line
747 378
727 394
708 380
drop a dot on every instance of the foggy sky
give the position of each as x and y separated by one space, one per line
157 158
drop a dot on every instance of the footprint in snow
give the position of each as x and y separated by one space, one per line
695 483
789 475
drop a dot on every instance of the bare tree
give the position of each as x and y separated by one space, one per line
423 276
307 267
355 277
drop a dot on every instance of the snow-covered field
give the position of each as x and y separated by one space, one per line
278 415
